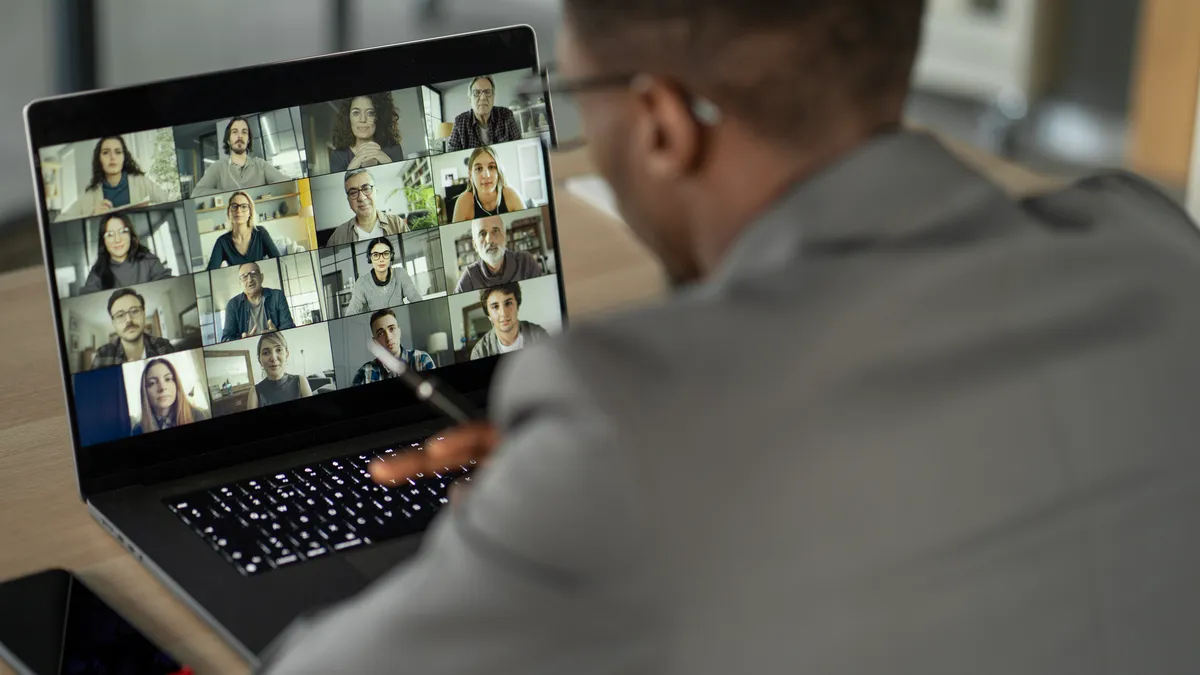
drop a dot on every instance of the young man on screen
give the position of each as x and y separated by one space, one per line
127 311
508 334
385 330
496 264
238 170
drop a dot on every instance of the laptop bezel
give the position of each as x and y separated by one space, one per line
345 413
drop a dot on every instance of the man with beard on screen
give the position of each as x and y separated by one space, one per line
496 265
127 309
238 170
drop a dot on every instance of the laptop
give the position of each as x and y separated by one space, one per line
222 249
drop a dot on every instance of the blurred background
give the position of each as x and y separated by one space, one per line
1062 86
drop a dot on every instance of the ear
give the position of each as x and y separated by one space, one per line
665 126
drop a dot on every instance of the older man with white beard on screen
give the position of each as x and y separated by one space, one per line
496 265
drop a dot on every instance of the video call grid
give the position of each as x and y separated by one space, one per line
189 204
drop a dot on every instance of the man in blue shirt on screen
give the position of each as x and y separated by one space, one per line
257 310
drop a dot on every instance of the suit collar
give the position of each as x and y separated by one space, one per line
891 186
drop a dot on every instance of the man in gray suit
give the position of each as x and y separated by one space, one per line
967 443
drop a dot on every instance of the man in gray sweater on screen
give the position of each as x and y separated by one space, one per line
891 420
497 264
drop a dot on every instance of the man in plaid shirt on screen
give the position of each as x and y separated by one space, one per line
386 330
485 123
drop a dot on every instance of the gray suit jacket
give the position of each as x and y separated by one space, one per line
966 443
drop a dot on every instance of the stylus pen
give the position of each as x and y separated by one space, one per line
447 401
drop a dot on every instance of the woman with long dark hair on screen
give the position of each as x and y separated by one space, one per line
121 258
279 386
366 132
117 181
488 193
244 242
164 399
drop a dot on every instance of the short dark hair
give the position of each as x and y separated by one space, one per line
377 241
117 295
785 69
249 129
511 288
379 315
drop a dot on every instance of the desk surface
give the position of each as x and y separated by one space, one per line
45 525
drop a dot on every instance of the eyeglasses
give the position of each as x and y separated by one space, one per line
240 207
367 190
123 232
249 275
131 313
561 93
482 93
381 255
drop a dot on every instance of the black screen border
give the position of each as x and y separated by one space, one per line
341 414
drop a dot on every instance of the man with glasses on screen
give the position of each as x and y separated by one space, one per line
485 123
237 170
257 309
368 222
127 311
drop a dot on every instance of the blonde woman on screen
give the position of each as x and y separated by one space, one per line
279 386
488 193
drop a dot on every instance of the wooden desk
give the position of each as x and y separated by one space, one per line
42 521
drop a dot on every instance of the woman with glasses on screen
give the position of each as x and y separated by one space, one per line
121 259
164 399
117 181
245 242
487 193
366 132
386 285
279 386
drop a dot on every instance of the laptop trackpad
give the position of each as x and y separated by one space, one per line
374 561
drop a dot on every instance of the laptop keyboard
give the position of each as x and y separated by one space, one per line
288 517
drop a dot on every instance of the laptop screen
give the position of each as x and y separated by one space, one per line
233 270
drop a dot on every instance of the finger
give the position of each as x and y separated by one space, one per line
396 469
463 443
270 325
459 447
408 465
